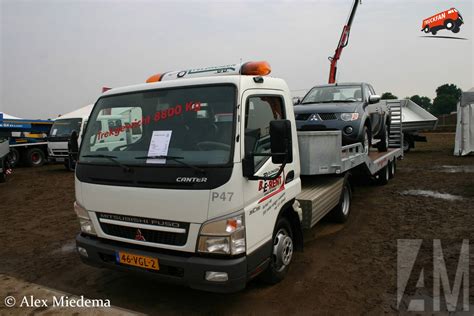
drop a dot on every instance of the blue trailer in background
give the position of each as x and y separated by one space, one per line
27 140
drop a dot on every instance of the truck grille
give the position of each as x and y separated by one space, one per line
148 235
302 116
327 116
60 152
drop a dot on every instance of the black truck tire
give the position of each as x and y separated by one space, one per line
282 252
382 146
35 157
14 157
341 212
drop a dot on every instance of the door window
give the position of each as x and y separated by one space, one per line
260 110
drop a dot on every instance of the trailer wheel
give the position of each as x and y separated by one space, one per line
392 168
13 157
340 213
282 252
35 157
382 177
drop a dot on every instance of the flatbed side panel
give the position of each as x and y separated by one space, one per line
376 160
318 196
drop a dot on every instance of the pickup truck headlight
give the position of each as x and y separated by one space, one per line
84 219
224 236
349 116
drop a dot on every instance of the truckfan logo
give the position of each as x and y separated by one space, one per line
450 20
139 236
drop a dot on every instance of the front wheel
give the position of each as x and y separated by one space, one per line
282 252
456 29
35 157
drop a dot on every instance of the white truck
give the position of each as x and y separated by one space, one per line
207 202
61 130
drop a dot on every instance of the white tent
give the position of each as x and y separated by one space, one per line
79 113
10 117
464 143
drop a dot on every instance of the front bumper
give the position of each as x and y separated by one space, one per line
182 269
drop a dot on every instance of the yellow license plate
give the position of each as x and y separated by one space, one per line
138 261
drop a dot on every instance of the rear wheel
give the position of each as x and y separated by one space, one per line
392 168
282 252
35 157
341 212
426 29
383 144
449 24
382 177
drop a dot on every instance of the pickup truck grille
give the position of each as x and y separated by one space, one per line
327 116
302 116
142 234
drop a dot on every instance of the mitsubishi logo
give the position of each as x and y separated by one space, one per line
139 236
313 117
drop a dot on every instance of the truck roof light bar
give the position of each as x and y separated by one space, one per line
251 68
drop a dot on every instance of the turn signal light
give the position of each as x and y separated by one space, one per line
256 68
154 78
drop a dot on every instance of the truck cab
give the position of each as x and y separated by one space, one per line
192 198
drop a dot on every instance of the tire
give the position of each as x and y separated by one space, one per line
382 177
382 146
35 157
426 29
14 157
67 165
434 32
392 168
449 24
282 252
341 212
366 139
406 146
456 29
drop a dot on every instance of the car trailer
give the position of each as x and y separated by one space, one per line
327 175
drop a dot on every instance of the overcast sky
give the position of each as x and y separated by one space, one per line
56 55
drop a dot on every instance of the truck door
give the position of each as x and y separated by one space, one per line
262 198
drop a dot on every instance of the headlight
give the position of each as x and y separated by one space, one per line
225 236
84 219
349 116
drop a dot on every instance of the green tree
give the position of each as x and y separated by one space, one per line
422 101
447 97
388 96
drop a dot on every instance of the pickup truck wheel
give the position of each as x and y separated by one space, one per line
34 157
366 140
282 252
340 213
383 144
382 177
13 157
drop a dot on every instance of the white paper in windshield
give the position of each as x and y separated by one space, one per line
160 141
53 133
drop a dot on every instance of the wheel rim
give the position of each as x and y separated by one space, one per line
366 142
35 158
282 250
449 25
346 202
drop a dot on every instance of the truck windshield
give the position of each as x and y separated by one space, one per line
64 127
330 94
179 127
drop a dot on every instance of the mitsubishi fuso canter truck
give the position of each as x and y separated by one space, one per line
215 185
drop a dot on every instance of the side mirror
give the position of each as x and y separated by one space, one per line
280 141
296 100
374 99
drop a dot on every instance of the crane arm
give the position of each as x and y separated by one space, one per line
343 41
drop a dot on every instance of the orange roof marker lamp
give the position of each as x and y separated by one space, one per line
252 68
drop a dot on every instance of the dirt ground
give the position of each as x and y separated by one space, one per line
344 269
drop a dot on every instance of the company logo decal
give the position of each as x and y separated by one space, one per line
448 20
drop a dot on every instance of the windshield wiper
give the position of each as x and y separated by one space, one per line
111 158
176 159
